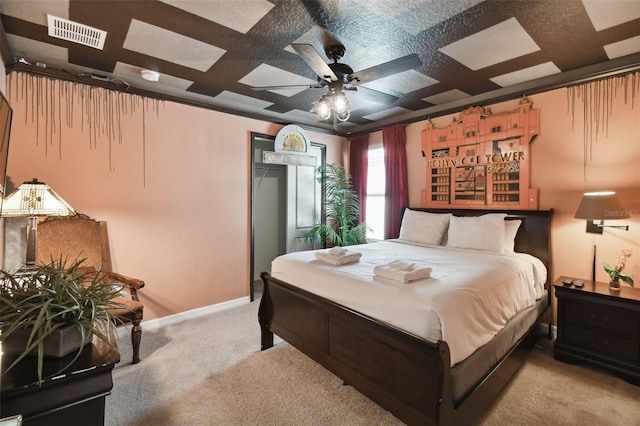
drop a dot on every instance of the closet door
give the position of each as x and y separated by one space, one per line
304 201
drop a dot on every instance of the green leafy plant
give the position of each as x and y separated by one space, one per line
341 227
51 297
616 271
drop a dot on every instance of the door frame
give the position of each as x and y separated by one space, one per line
254 136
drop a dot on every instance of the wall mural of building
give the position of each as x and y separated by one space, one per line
481 160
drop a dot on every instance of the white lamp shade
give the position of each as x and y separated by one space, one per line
35 199
604 205
340 103
324 108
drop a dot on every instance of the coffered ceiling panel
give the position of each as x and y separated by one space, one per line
402 61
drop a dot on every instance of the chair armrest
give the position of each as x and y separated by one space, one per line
132 283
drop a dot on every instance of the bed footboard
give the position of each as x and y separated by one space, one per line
373 357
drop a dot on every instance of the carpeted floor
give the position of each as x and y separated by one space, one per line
550 392
209 371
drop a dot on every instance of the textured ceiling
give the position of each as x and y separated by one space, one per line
214 53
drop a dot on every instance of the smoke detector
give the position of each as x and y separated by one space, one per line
150 75
76 32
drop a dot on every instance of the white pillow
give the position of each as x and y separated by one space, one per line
510 231
424 227
484 232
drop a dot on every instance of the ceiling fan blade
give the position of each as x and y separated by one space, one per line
377 96
291 86
315 61
385 70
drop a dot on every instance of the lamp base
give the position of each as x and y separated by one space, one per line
26 270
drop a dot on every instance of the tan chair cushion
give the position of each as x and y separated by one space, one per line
130 306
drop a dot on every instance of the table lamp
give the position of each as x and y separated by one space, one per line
33 199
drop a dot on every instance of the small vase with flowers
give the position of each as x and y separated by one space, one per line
616 274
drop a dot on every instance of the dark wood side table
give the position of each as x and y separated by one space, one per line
73 396
600 326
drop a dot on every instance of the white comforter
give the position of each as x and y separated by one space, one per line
469 297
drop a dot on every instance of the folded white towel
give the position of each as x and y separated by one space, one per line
396 274
344 259
403 265
338 251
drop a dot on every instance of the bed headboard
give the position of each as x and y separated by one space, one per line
534 235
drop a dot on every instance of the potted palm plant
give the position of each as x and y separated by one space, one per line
54 310
342 209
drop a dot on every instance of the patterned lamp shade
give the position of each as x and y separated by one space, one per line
33 199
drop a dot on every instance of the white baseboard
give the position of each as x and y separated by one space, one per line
162 322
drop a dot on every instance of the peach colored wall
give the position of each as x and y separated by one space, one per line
200 157
176 201
558 171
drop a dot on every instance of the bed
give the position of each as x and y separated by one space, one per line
419 376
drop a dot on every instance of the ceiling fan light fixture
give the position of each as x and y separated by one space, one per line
343 116
340 103
323 107
333 103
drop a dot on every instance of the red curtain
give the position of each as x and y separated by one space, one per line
358 166
394 141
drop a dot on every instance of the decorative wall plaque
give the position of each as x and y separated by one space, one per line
291 146
291 139
481 160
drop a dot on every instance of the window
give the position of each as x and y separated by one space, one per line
375 194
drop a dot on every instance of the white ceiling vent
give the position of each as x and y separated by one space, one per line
75 32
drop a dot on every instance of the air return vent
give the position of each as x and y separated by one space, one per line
75 32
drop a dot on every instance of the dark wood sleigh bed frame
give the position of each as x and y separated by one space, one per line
404 374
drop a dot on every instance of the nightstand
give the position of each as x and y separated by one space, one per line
599 326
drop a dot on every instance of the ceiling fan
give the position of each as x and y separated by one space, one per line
338 77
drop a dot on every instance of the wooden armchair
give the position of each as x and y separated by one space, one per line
80 237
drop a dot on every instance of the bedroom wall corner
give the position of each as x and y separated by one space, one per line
3 77
3 90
